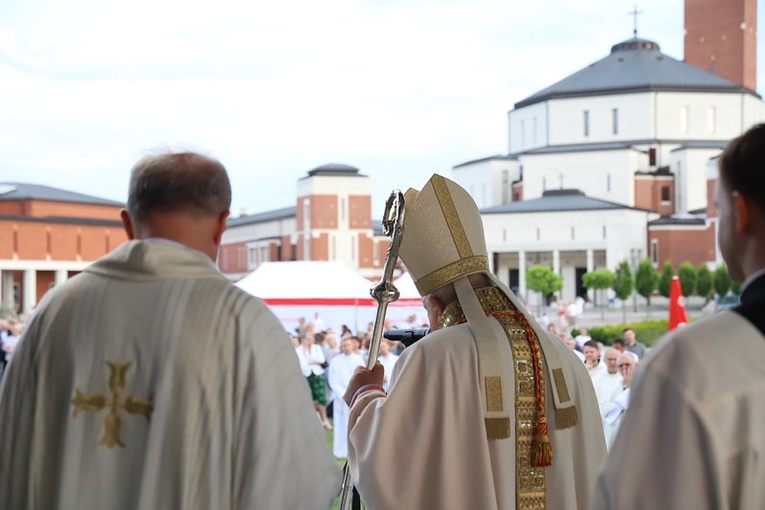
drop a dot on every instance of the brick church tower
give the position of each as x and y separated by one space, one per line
721 38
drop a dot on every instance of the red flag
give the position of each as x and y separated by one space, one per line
677 316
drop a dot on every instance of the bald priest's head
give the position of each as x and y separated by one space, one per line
184 197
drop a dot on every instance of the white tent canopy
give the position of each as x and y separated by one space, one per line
300 289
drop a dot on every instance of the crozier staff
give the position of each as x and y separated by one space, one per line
452 428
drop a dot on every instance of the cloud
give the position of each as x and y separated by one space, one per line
397 88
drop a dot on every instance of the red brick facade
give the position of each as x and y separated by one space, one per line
721 38
656 193
46 236
681 244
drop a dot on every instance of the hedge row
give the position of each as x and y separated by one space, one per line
646 332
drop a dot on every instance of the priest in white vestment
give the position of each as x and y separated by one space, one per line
608 383
487 411
693 435
148 381
339 373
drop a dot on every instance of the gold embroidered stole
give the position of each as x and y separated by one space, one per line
530 477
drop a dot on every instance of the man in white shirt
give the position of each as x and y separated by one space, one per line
150 381
592 358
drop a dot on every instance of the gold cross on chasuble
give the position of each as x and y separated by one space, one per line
113 421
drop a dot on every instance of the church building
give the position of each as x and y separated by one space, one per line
618 161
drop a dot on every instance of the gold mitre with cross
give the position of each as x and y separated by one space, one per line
443 235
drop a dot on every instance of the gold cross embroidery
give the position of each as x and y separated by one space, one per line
112 422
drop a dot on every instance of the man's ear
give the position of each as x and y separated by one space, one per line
743 210
220 226
127 224
433 303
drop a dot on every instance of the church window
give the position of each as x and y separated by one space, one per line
652 156
665 193
655 251
615 121
586 123
711 120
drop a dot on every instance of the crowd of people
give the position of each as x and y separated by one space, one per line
150 381
327 360
10 333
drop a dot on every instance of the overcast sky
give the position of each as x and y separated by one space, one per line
399 89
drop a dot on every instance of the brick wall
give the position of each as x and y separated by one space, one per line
648 194
716 42
683 245
360 211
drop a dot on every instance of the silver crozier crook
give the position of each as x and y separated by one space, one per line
384 292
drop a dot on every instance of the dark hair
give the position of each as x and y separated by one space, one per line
591 343
619 341
741 165
175 182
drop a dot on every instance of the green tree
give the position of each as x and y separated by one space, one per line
623 285
645 281
735 287
665 279
704 282
542 279
687 274
599 280
721 280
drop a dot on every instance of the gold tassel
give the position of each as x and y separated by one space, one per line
566 418
541 447
497 428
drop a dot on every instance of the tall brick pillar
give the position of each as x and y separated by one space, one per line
721 38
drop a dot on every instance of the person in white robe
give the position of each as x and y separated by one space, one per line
693 434
387 360
150 381
608 383
485 412
339 373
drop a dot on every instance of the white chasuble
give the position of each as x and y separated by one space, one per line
425 445
148 381
693 435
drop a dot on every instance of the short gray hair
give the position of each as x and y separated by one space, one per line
178 182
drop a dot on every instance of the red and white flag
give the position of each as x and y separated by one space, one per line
677 316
